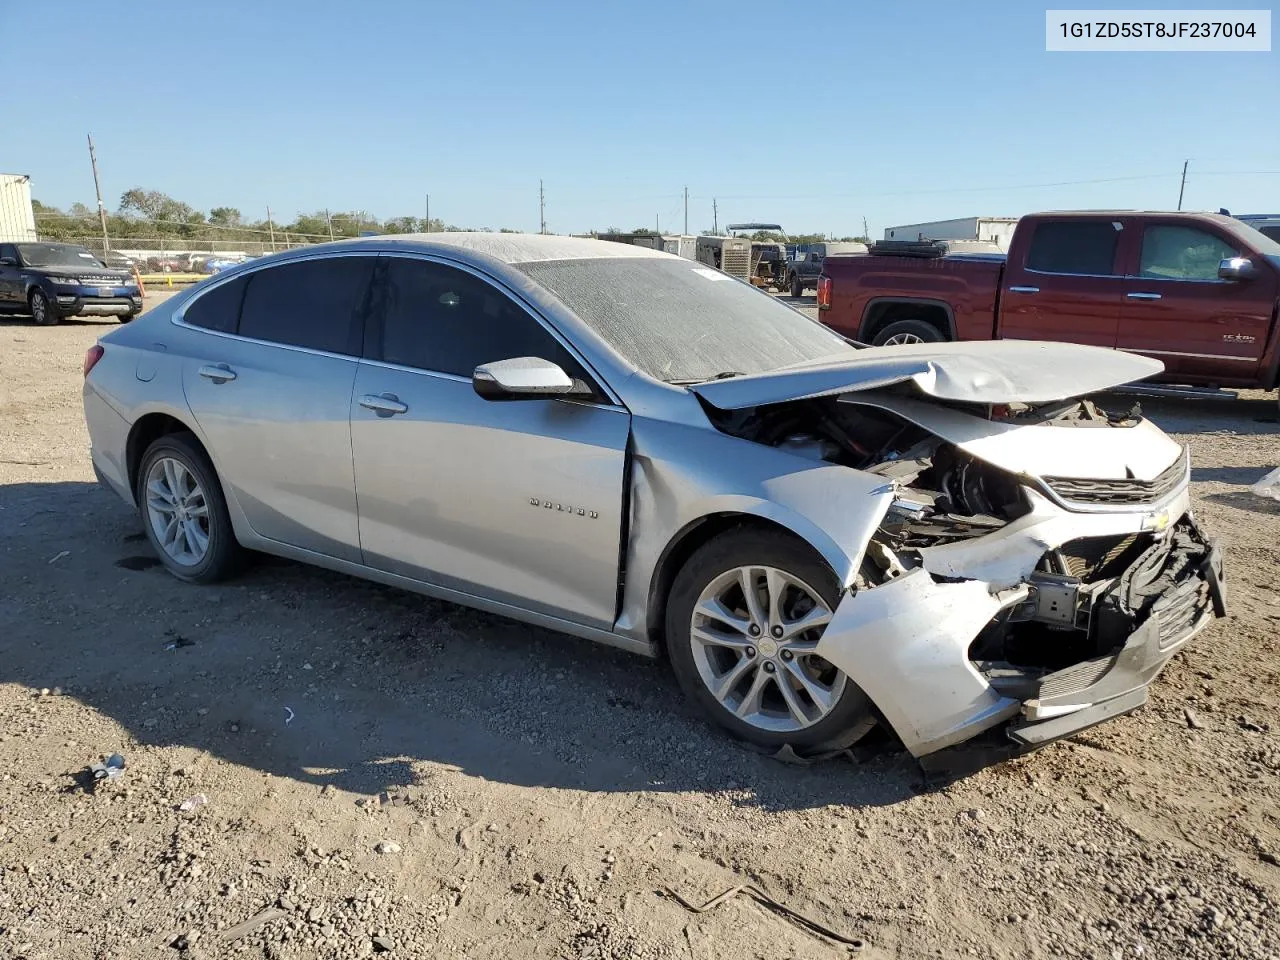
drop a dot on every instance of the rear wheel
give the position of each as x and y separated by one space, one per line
183 511
907 331
797 288
126 317
743 622
41 310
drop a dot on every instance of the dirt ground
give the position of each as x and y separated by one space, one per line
389 774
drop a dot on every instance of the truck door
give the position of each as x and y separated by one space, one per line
1176 309
1065 283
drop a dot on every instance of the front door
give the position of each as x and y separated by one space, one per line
10 283
269 384
1204 329
1070 285
519 502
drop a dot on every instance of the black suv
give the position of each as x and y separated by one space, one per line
55 280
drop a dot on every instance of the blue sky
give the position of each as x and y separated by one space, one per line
813 114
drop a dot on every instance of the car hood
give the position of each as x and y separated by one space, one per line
999 371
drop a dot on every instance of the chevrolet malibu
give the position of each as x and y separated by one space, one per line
624 445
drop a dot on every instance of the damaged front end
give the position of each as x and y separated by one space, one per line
1034 571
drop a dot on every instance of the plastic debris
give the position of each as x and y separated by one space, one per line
109 769
288 716
179 641
191 803
253 923
1268 486
58 556
766 901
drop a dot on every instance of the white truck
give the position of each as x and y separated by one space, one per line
997 230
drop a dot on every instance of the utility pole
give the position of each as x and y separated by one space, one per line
329 220
655 224
715 217
428 213
102 211
1183 185
542 209
271 228
866 234
686 210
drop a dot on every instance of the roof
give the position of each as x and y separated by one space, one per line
514 247
1132 213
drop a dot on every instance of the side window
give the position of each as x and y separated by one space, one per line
8 250
436 317
1272 232
1181 253
219 309
1085 246
316 304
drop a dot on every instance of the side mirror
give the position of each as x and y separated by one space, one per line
1236 268
525 378
8 262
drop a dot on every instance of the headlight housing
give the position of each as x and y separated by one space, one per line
67 281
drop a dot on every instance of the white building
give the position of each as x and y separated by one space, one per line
17 217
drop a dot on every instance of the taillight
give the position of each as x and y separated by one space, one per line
824 293
92 357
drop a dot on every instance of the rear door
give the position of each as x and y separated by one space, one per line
10 285
1067 283
1206 330
269 382
518 502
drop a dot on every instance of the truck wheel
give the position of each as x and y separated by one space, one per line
797 288
41 309
907 331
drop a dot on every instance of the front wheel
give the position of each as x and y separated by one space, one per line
743 622
126 317
797 288
41 310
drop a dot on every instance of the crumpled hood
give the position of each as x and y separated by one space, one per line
999 371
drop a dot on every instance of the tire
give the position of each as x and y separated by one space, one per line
222 554
849 714
797 288
41 309
908 331
126 317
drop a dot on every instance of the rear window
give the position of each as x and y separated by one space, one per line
1087 247
681 321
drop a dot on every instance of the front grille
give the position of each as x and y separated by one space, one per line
1076 678
1120 492
1179 612
92 281
737 263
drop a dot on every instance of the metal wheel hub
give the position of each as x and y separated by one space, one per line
754 634
902 338
177 511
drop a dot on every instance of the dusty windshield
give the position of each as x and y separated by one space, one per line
684 322
56 255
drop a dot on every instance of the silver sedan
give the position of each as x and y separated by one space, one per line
638 449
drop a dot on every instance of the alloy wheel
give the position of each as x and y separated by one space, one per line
754 634
177 511
902 338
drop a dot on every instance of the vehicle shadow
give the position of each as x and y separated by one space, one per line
326 679
1239 476
1256 414
1244 500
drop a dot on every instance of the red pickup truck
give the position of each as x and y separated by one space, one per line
1199 292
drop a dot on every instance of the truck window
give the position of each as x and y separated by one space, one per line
1182 253
1087 247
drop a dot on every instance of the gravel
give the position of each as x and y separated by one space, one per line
541 790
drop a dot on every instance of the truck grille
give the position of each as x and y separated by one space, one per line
737 263
1121 492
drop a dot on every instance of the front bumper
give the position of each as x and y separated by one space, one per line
79 302
907 642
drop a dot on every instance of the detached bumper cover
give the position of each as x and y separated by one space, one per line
906 642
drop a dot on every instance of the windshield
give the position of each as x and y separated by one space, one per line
680 321
56 255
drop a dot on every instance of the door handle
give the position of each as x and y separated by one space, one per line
217 372
1143 296
384 405
1024 289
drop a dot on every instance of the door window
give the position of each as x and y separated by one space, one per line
8 250
436 317
219 309
1182 253
317 304
1079 247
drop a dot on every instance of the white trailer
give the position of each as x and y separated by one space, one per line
17 217
682 245
997 230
